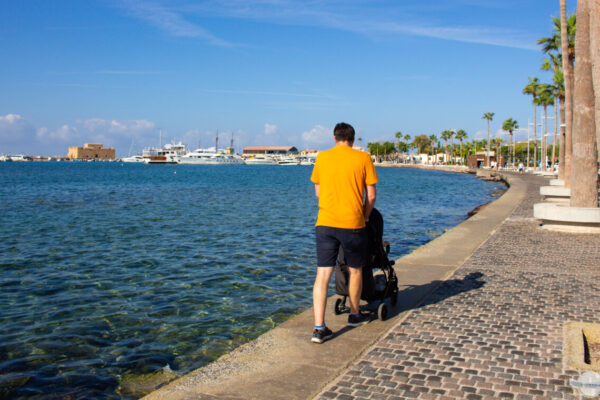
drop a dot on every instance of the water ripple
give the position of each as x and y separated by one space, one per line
111 271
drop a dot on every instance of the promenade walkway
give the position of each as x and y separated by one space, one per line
495 328
481 314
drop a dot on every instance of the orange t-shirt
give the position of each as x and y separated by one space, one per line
342 174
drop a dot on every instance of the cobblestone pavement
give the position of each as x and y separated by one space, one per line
495 328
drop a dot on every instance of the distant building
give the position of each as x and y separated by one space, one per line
483 159
272 150
91 151
309 153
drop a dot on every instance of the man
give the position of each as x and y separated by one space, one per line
342 176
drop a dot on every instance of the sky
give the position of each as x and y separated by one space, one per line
131 73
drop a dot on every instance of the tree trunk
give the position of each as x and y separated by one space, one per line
544 156
534 135
568 73
510 150
561 143
555 132
595 43
584 170
488 144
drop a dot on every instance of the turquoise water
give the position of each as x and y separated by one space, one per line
113 270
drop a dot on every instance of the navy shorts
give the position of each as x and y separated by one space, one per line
354 243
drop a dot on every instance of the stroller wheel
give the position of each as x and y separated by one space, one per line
382 312
339 308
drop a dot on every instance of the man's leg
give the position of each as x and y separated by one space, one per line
320 293
355 289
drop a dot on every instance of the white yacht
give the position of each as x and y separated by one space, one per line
288 160
169 154
209 157
133 159
307 160
20 158
260 159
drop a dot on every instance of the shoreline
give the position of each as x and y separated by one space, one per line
284 354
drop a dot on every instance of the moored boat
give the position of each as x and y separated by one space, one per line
169 154
261 160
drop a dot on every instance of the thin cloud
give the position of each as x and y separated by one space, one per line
169 21
368 19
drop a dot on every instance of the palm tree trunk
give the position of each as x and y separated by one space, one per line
510 148
584 186
488 143
544 157
555 132
595 48
568 72
534 135
561 144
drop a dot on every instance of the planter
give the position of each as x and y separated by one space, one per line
561 217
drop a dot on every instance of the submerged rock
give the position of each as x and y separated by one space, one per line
140 385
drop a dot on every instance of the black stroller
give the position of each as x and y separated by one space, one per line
376 288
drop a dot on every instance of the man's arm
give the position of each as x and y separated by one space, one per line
317 189
369 201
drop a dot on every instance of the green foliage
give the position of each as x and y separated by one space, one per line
422 143
376 148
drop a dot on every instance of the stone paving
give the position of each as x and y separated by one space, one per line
495 328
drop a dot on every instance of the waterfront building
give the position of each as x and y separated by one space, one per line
269 150
91 151
483 159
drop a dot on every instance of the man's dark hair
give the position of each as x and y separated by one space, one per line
344 132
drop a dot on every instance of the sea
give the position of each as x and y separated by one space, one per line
112 272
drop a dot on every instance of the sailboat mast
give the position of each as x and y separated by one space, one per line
217 142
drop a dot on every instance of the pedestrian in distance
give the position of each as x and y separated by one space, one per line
345 181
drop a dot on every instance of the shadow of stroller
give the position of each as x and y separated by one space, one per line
417 296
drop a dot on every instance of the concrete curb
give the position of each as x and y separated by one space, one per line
284 364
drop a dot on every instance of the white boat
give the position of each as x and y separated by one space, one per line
290 160
169 154
307 161
133 159
5 158
209 157
261 160
20 158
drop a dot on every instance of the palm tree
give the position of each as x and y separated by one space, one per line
461 135
567 44
498 142
433 141
406 138
554 63
398 137
545 99
421 142
359 141
452 133
532 88
489 116
510 125
445 135
595 48
584 188
559 87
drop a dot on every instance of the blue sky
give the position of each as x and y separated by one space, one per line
270 72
